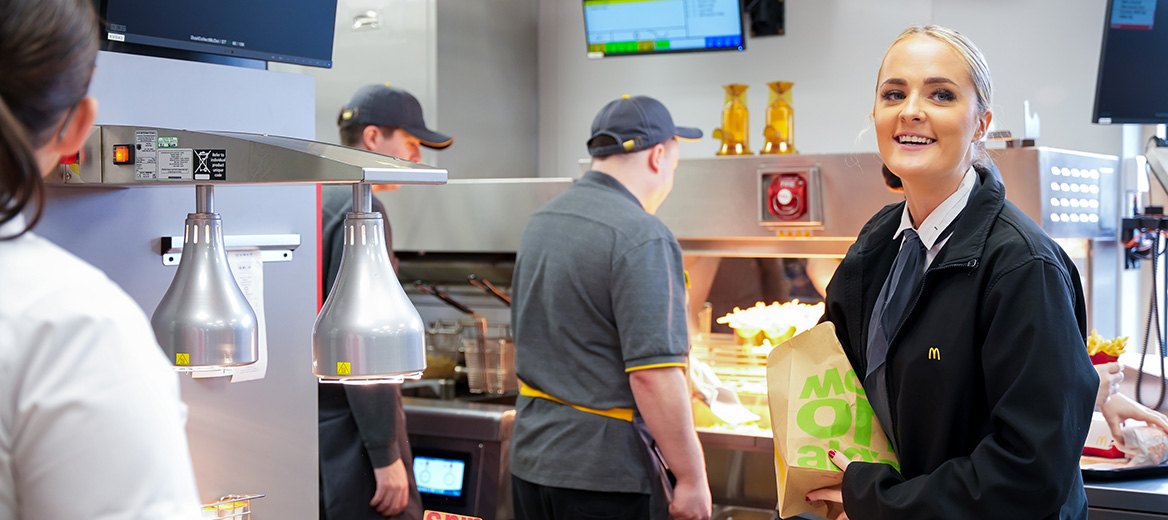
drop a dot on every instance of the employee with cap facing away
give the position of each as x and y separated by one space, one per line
601 344
366 468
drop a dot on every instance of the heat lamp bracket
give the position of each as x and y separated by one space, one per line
273 248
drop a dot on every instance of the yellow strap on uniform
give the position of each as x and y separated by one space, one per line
624 414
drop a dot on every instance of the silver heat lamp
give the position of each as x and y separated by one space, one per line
368 330
204 322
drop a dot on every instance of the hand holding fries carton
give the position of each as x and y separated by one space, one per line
818 404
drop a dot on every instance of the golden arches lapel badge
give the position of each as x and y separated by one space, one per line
935 353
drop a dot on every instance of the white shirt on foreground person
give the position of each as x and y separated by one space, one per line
91 423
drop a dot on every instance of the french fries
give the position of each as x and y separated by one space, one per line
1112 347
775 323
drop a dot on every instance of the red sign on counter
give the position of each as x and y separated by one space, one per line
438 515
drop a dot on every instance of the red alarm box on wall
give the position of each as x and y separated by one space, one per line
790 198
787 196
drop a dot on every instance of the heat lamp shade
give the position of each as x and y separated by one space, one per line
204 320
368 329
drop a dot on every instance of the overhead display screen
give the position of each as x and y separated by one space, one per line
1132 85
300 33
630 27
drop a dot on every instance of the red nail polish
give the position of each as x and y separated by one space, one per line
831 454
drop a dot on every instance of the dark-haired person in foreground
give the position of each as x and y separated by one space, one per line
91 424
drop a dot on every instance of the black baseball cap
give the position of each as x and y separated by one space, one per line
636 123
383 105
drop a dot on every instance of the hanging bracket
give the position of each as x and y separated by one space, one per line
273 248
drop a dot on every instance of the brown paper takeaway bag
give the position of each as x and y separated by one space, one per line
817 404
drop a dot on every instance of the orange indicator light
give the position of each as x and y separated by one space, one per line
123 154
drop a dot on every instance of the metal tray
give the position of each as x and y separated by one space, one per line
1097 475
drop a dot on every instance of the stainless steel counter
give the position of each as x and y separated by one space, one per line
741 463
1128 500
474 437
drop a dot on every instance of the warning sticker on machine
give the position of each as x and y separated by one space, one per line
174 164
211 165
144 140
145 158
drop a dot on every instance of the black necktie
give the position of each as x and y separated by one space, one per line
905 279
888 313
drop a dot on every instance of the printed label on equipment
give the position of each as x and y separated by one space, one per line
145 157
211 165
175 164
167 142
146 167
144 140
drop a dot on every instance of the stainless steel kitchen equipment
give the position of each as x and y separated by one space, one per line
202 324
474 337
489 287
488 348
367 331
813 206
204 321
461 456
170 157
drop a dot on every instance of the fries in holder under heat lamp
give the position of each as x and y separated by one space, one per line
739 359
771 324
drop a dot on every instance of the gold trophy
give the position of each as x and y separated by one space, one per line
735 131
780 120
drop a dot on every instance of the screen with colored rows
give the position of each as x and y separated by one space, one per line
627 27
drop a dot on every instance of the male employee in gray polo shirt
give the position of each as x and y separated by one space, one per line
600 333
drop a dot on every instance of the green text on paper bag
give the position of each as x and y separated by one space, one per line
818 404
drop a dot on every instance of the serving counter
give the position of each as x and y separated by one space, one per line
740 465
1128 500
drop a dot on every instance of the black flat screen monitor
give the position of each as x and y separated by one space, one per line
1132 86
631 27
299 33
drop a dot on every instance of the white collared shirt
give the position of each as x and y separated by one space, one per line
91 424
939 219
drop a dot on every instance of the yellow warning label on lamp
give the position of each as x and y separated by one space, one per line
344 369
182 359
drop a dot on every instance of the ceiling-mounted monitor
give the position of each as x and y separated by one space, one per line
1132 85
227 31
631 27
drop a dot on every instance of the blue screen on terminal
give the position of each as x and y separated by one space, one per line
439 476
